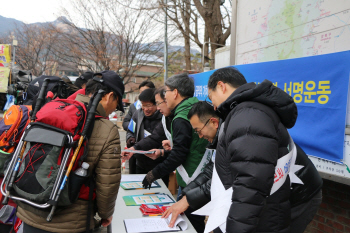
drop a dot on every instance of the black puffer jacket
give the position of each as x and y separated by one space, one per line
309 175
197 192
253 139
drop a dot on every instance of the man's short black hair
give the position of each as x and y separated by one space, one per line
147 83
160 91
229 75
93 86
147 96
203 110
183 83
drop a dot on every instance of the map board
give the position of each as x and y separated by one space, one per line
270 30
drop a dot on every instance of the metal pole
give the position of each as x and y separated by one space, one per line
14 56
166 42
233 49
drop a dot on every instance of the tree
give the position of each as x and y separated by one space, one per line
104 35
217 25
35 48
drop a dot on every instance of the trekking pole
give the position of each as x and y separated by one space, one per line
38 104
90 117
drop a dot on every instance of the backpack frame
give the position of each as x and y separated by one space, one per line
39 133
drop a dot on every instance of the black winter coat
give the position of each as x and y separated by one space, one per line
254 138
140 120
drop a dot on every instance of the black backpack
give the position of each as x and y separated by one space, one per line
56 85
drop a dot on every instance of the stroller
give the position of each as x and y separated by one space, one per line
65 146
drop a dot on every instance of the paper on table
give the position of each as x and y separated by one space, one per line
152 199
153 224
136 185
126 177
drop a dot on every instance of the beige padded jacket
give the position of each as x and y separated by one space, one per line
104 157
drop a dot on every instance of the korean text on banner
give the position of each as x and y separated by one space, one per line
4 78
319 87
5 58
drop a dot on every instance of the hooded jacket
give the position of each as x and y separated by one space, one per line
253 139
104 158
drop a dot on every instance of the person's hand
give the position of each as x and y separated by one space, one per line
155 155
106 222
166 144
148 180
176 209
130 142
127 155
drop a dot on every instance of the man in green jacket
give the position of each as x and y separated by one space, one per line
187 155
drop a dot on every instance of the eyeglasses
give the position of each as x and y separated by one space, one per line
157 104
209 95
164 92
147 106
199 131
207 100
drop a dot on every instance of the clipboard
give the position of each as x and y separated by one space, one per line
139 151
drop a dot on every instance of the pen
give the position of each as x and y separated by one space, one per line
150 193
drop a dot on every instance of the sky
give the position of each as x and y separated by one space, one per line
32 11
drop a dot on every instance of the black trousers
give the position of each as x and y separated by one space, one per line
132 165
140 170
29 229
302 215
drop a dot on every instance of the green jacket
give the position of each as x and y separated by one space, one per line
198 145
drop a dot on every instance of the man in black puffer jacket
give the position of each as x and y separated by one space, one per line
254 137
305 198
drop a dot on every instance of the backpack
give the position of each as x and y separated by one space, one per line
12 126
41 173
56 85
45 153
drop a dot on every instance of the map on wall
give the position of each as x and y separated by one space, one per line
269 30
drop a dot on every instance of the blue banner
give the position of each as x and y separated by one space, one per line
319 86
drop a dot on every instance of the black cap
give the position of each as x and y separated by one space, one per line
87 75
112 80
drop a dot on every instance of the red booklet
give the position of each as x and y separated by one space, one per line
153 210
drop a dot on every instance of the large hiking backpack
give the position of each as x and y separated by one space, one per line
45 153
12 127
56 85
41 172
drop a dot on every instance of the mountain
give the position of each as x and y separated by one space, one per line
8 24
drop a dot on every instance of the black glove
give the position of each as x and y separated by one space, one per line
130 142
148 180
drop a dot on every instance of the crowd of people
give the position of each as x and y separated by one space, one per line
238 135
